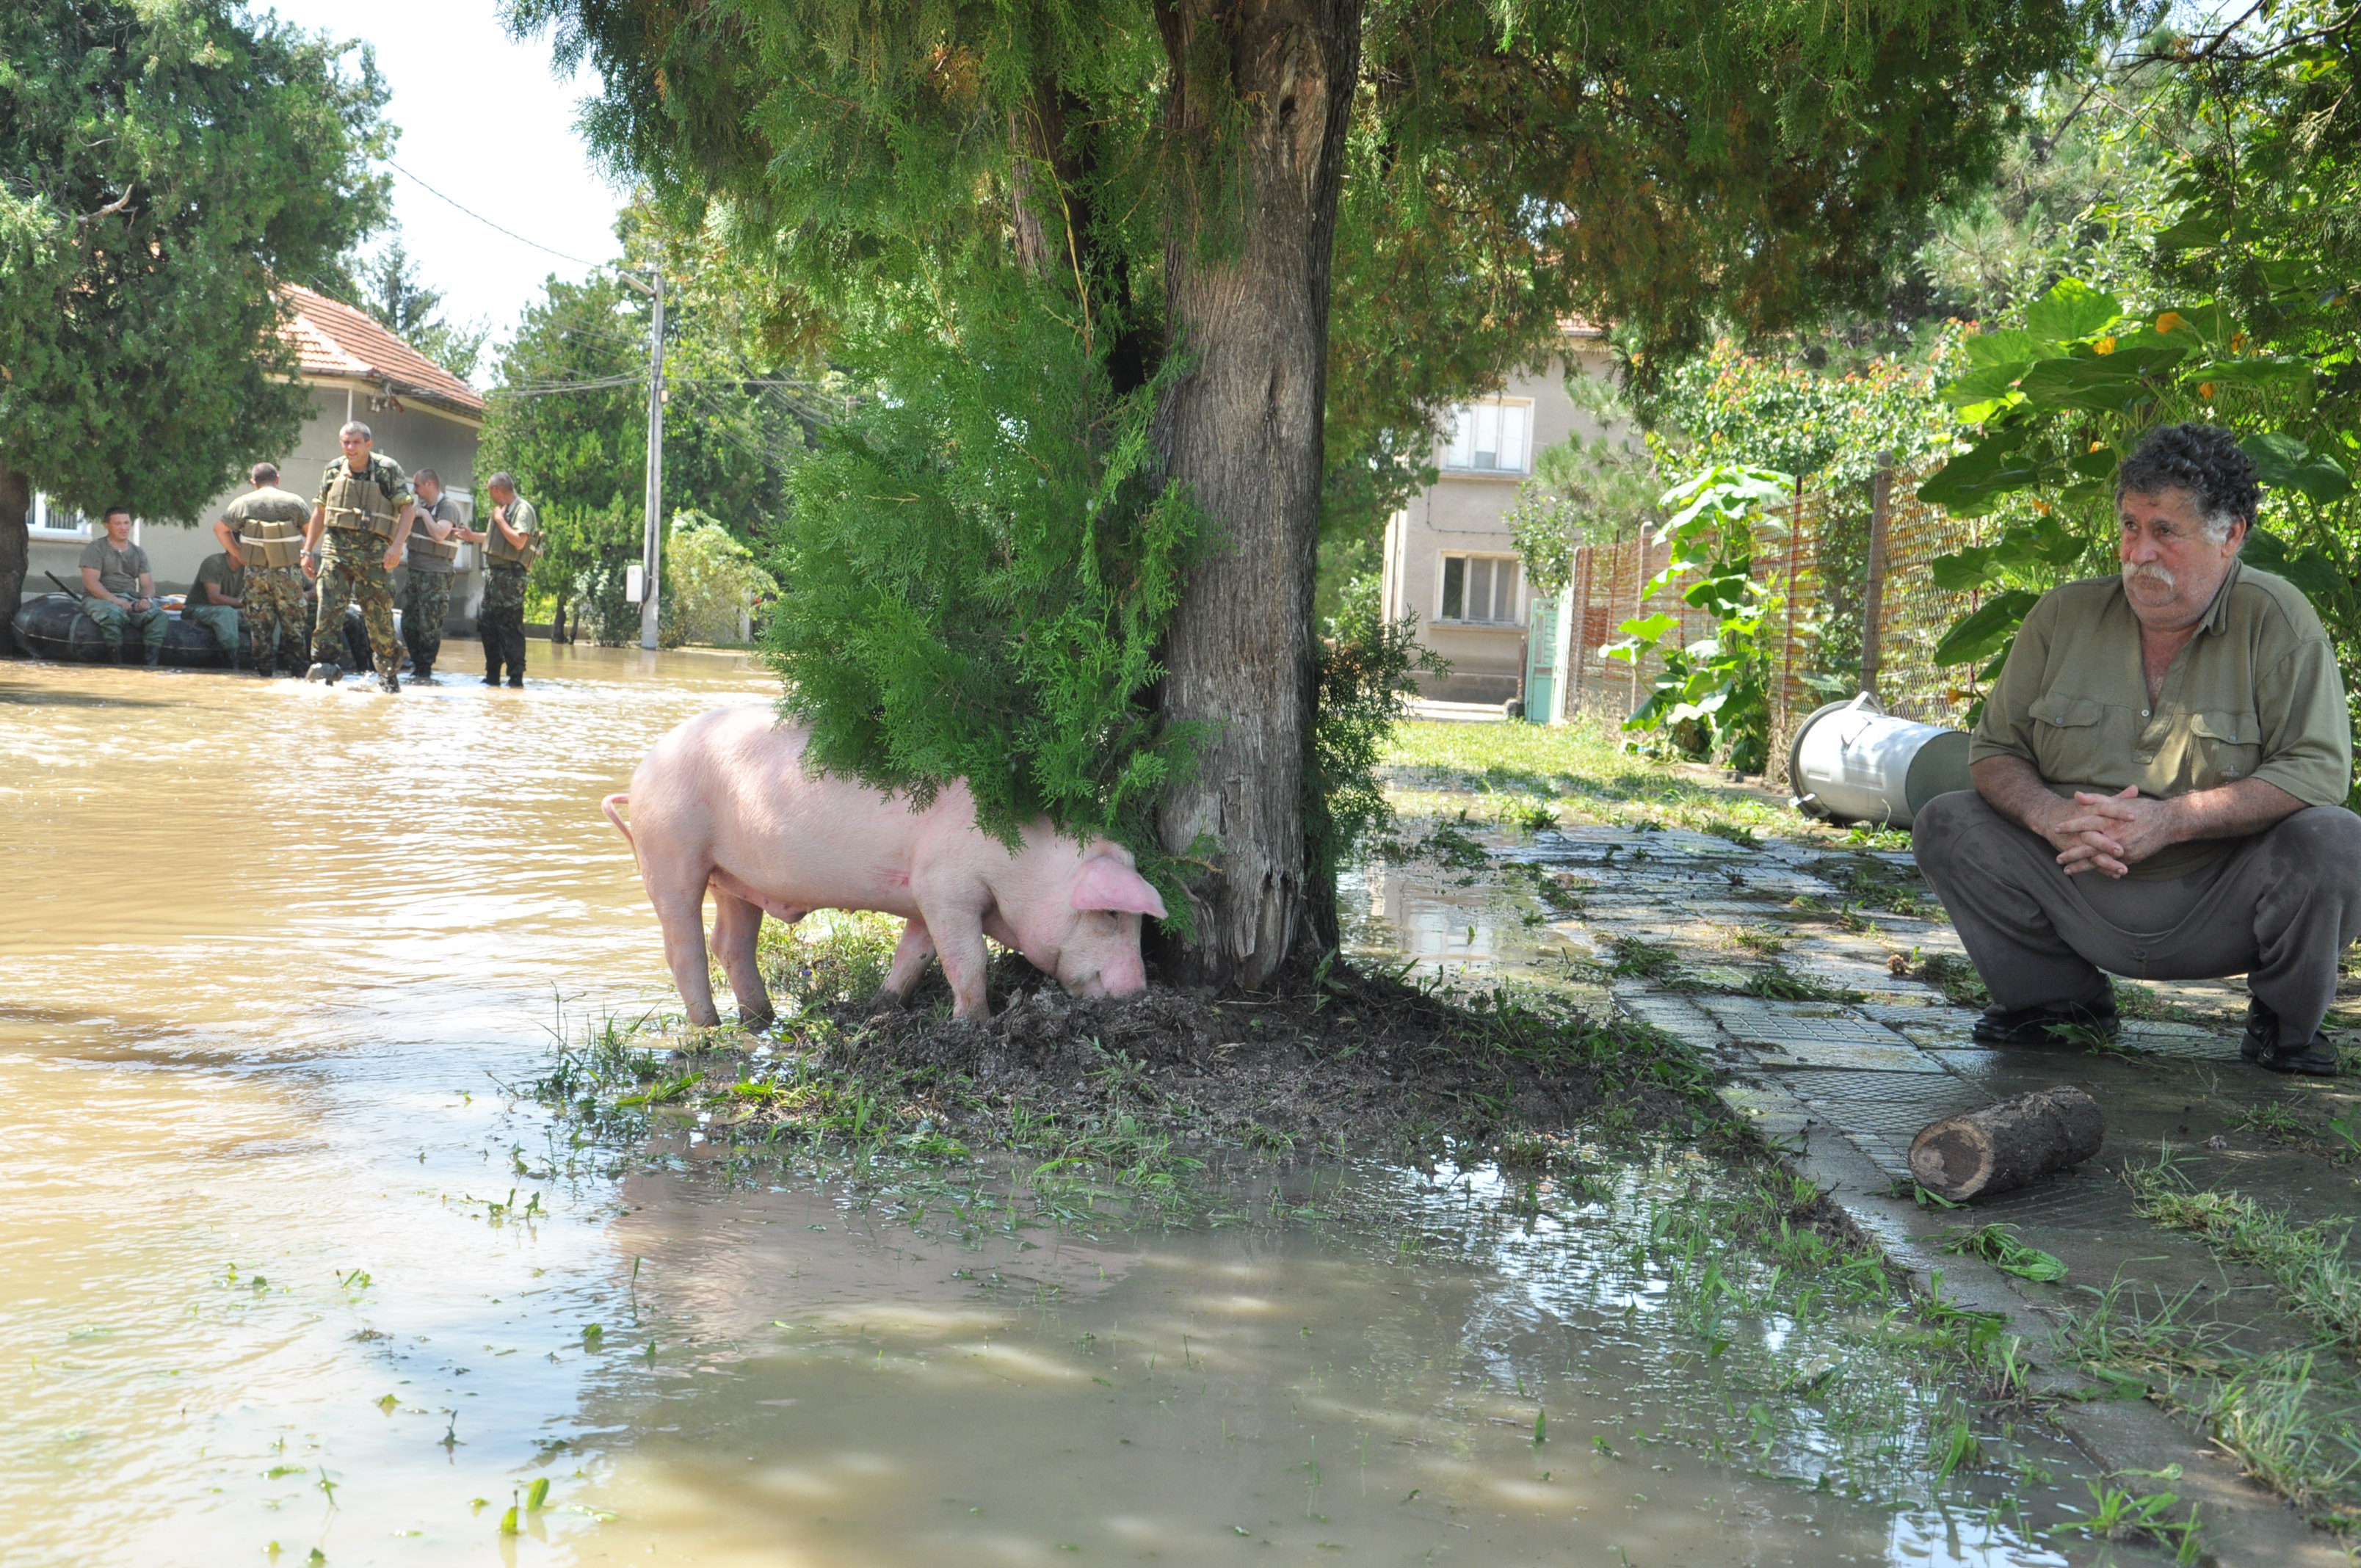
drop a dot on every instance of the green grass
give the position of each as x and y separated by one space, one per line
1583 766
2309 1265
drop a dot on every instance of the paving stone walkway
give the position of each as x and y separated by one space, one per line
1841 1080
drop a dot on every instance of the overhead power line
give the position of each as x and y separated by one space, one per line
497 229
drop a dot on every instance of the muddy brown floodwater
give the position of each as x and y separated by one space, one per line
293 1276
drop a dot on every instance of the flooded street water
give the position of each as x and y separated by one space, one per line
294 1276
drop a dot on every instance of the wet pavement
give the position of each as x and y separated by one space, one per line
1857 1078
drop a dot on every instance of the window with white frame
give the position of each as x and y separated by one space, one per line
1479 590
51 521
1492 437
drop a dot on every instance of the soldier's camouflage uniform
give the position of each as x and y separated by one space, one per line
352 569
425 596
501 621
274 594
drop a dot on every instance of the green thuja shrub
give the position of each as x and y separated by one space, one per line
975 571
1368 666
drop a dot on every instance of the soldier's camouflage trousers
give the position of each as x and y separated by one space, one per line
500 622
274 612
357 577
425 602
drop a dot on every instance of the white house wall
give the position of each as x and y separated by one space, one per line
409 435
1463 512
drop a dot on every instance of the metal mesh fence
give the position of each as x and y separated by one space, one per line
1849 605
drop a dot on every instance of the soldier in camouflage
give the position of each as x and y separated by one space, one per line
511 541
360 525
425 600
260 528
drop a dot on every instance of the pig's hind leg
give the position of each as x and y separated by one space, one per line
910 956
679 899
736 924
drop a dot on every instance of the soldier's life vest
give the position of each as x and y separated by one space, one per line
424 547
357 504
496 544
266 543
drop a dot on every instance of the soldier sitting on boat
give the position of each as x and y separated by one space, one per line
119 589
2160 775
213 601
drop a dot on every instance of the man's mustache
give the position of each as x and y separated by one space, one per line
2153 572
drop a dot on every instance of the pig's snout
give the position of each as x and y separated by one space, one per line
1110 966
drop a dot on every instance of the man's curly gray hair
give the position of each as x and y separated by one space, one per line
2204 461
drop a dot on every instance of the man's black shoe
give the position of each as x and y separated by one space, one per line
517 682
2070 1025
2314 1058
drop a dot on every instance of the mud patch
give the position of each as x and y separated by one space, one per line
1341 1057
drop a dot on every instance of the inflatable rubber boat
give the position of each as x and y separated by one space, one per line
53 626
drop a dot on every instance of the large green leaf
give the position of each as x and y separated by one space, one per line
1965 570
1973 482
1979 635
2009 345
2195 232
2309 570
2285 463
2099 385
2263 370
2071 311
1983 384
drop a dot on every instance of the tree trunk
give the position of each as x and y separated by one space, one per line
15 549
1256 118
2007 1146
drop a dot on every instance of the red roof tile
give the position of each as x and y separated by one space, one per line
333 339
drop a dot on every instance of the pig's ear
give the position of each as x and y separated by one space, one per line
1107 884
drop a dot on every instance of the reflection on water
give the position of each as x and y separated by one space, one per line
289 1265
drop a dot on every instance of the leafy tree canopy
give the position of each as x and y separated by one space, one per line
568 415
161 163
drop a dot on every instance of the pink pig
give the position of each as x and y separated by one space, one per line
723 802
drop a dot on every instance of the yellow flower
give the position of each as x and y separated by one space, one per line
2096 445
2205 390
2104 346
2238 343
2172 321
2041 507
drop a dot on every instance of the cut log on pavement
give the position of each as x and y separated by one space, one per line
2007 1146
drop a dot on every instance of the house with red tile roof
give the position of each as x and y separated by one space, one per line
419 414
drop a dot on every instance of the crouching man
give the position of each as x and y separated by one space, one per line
2160 773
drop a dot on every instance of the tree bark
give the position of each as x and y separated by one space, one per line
2007 1146
15 549
1255 116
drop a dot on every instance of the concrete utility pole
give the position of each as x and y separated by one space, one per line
652 545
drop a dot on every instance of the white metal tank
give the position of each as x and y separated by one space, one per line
1854 762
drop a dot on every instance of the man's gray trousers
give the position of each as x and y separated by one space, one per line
2280 909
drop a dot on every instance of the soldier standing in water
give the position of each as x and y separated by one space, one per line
426 573
360 524
511 539
263 533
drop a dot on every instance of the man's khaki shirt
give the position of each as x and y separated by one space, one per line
2255 695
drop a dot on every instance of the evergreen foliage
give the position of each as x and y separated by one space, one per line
1368 666
161 164
974 575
